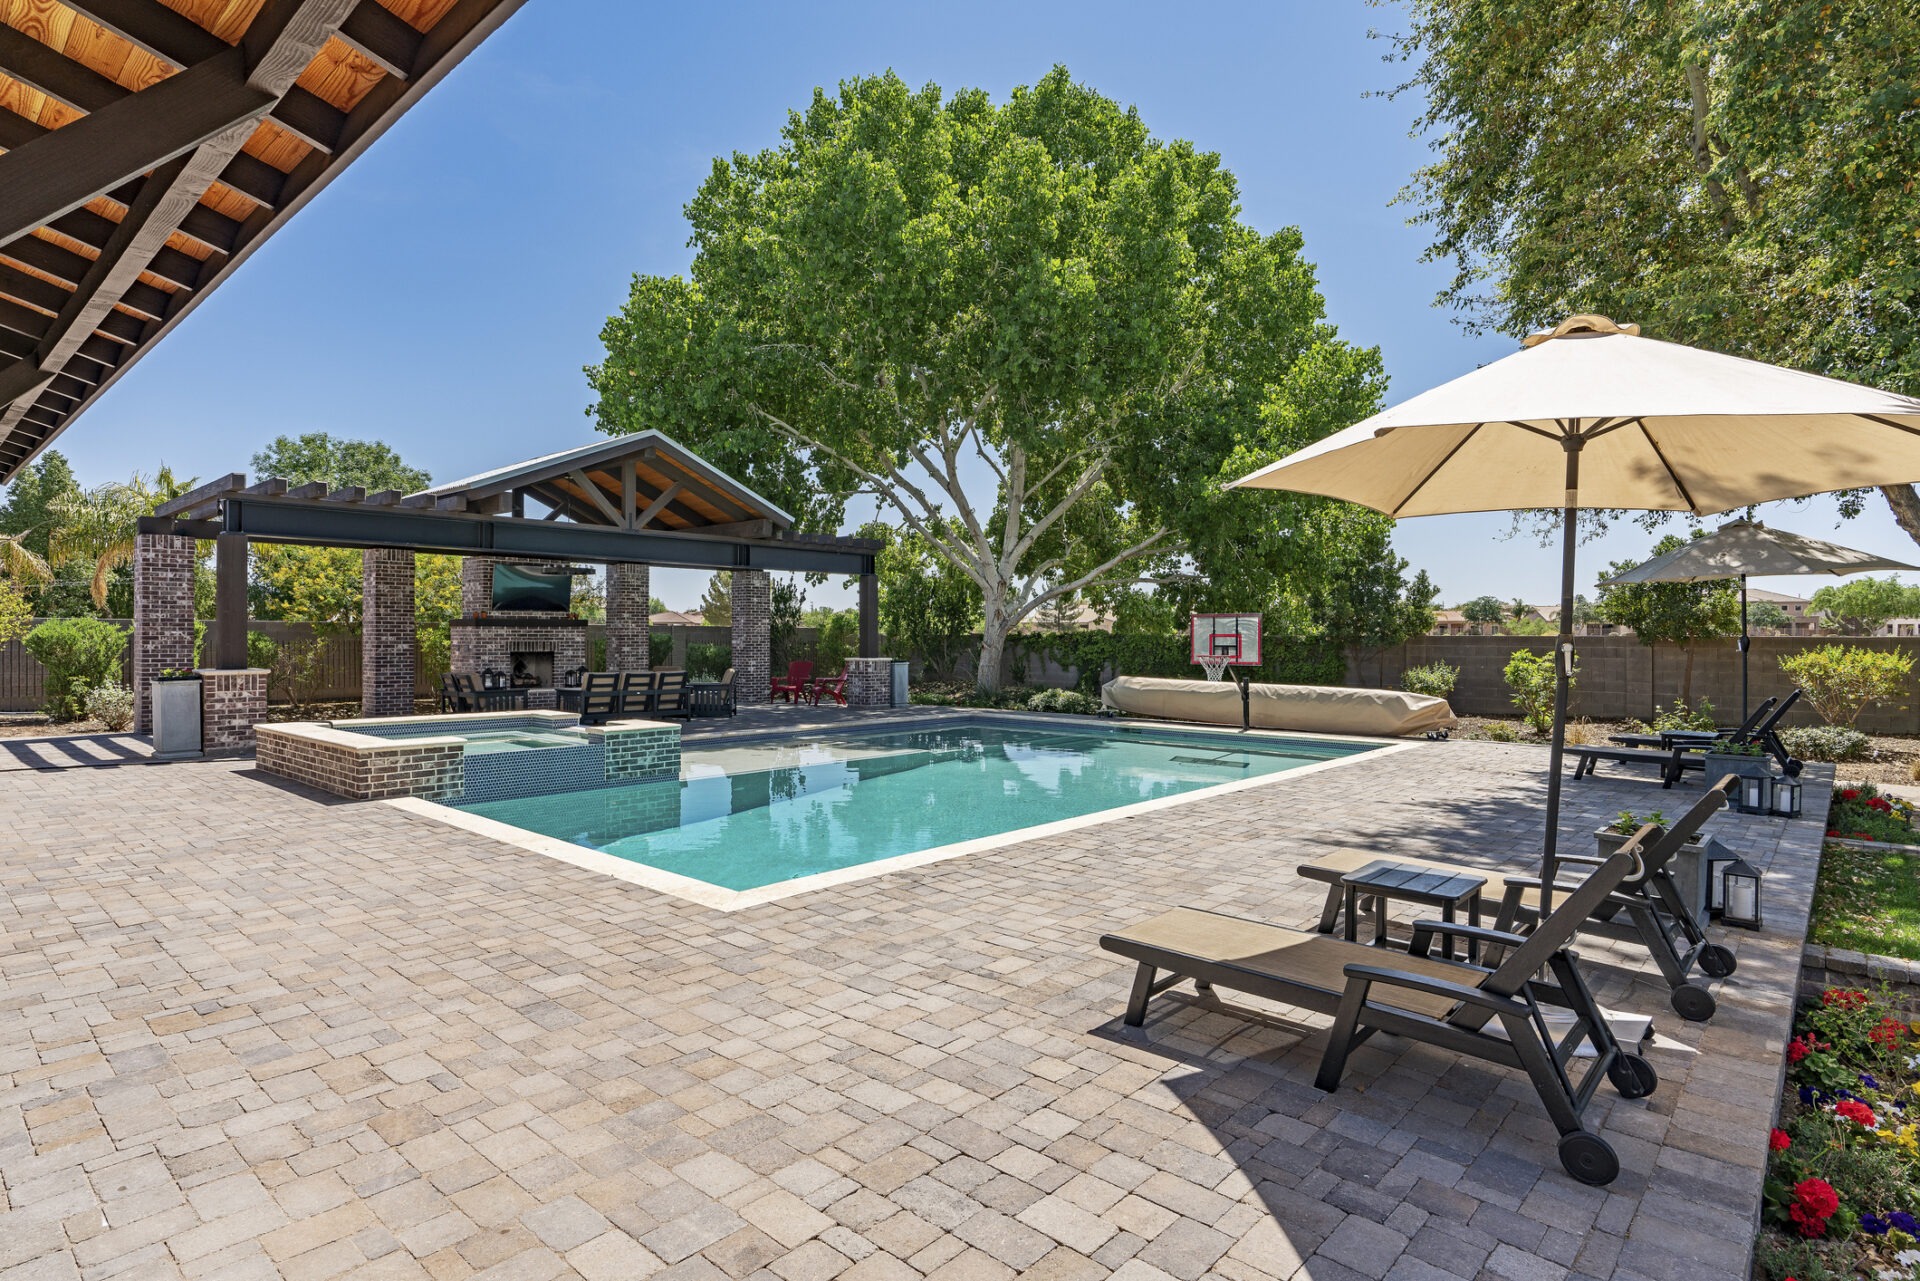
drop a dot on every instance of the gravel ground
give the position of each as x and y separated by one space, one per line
1891 759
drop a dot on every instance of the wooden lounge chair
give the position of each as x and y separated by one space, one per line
599 697
1762 727
834 687
794 687
1690 737
712 698
1414 995
1673 761
1650 902
637 693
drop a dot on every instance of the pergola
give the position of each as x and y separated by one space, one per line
630 503
148 148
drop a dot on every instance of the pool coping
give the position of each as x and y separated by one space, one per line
720 899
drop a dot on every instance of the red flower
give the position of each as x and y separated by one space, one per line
1833 831
1778 1140
1880 803
1845 997
1798 1049
1814 1202
1857 1112
1850 794
1887 1034
1861 836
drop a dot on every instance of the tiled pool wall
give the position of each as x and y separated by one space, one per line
427 757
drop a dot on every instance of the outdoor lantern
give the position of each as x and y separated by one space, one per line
1753 793
1786 797
1719 859
1741 895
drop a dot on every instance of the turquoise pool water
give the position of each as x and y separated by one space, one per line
746 815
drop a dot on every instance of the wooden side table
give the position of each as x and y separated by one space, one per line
1385 879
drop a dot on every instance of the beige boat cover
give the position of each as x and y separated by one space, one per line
1313 709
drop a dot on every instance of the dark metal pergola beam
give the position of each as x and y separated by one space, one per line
322 524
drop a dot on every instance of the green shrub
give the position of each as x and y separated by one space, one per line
1824 743
1436 680
1680 716
708 661
1499 732
436 651
1063 700
111 705
659 649
1841 680
1530 677
80 654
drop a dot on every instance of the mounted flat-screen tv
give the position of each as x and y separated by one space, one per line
518 588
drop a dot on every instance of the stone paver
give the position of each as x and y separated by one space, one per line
247 1031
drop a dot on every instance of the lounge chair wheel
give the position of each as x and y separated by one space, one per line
1633 1076
1693 1003
1589 1158
1718 962
1792 768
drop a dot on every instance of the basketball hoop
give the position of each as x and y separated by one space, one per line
1215 666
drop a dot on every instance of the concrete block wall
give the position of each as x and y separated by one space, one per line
162 615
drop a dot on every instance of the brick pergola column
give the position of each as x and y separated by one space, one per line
752 636
162 615
629 589
386 631
476 586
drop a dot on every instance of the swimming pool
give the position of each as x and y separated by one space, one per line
751 814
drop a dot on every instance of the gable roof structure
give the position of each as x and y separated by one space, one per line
147 148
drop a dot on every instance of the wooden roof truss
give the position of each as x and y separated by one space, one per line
147 148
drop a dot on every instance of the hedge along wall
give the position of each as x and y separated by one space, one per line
1620 677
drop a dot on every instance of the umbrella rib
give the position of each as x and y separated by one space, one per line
1672 475
1529 427
1888 422
1434 471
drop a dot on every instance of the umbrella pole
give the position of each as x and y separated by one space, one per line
1746 643
1562 662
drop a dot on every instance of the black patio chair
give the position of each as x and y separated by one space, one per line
599 697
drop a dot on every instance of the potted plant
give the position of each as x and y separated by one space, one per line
1749 760
176 714
1687 866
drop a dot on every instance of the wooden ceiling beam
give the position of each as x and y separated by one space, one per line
457 33
54 74
16 130
152 26
383 38
60 171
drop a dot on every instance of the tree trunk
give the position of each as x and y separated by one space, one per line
994 628
1905 503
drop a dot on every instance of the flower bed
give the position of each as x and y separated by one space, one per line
1843 1180
1862 814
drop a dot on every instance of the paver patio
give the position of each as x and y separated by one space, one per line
249 1031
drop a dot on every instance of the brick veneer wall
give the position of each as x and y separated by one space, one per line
869 682
646 751
386 631
232 702
752 637
476 585
328 760
162 615
629 589
476 648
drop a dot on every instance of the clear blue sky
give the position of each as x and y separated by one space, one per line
444 293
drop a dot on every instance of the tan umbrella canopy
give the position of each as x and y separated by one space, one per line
1746 548
1593 415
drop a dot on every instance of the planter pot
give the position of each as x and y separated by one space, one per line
1688 867
1718 765
176 719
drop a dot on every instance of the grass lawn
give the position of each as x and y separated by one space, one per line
1868 901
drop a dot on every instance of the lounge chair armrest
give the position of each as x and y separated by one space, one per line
1534 883
1593 859
1424 932
1489 1001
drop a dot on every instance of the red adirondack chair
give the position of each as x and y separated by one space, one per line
794 687
834 687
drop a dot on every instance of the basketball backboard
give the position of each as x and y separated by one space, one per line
1232 640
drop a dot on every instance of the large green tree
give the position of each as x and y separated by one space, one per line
1039 336
1735 174
928 608
1859 607
340 462
1682 614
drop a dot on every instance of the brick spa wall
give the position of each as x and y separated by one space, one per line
641 749
361 767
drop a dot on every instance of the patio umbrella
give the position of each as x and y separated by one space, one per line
1592 415
1744 548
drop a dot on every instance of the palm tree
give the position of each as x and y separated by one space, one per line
20 563
100 524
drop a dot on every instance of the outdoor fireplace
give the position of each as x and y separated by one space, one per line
531 669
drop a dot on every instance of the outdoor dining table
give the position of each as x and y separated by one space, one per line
1385 879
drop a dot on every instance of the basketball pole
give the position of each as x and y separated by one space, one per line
1246 698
